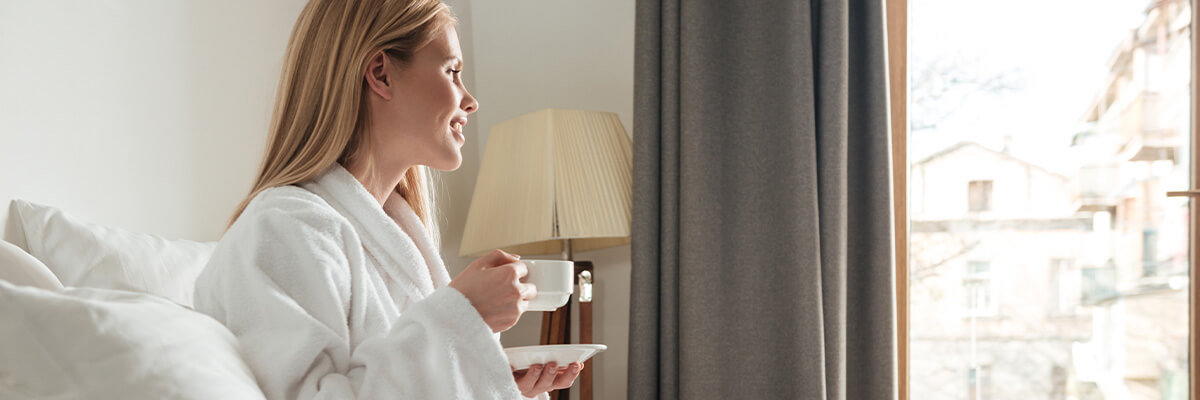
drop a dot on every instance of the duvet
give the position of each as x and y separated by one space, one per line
92 343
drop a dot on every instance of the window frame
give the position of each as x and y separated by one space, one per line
1194 206
897 60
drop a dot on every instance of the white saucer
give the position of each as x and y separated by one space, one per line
522 357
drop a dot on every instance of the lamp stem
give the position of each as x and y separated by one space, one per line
568 254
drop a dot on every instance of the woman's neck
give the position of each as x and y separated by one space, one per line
381 184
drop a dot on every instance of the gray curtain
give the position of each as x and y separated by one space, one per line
762 242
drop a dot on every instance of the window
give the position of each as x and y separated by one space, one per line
1058 382
1065 291
979 196
1149 253
1080 245
1098 284
977 383
978 286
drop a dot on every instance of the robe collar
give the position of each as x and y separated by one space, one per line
392 233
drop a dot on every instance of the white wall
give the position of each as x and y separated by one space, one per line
523 56
146 115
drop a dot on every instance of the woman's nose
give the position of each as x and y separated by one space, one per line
469 104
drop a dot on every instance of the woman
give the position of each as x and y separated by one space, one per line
329 274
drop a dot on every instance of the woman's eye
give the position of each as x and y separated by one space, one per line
457 71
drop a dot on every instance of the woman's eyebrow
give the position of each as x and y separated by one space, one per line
453 58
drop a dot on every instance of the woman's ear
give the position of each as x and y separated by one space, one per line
377 77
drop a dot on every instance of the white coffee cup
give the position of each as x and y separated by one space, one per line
554 280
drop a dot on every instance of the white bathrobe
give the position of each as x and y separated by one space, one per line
333 297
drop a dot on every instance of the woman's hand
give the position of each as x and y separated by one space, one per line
538 379
493 285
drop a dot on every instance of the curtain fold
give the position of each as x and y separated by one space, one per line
762 229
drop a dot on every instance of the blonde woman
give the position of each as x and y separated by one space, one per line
329 274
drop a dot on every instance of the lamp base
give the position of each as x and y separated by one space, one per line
556 329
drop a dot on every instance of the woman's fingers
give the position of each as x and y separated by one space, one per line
521 269
539 378
528 379
546 381
528 291
567 376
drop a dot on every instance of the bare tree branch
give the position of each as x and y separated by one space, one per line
941 86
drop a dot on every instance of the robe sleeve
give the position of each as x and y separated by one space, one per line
282 284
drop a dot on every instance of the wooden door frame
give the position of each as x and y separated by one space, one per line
897 58
1194 232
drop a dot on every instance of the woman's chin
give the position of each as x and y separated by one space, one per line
451 164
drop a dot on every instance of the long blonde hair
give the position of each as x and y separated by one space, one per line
320 105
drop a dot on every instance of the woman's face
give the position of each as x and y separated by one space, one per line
417 116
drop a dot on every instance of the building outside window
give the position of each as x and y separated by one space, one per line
1044 282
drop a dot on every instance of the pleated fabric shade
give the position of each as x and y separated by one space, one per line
551 175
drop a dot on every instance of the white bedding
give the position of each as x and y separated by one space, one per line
22 269
82 253
92 343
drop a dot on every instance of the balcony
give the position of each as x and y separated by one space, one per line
1093 187
1147 131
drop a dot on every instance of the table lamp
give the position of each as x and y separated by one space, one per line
554 181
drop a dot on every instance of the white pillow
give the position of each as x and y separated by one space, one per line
92 343
22 269
91 255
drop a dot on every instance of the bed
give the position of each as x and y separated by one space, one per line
94 312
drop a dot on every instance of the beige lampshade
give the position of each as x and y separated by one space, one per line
551 175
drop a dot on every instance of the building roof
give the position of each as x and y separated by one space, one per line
963 145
